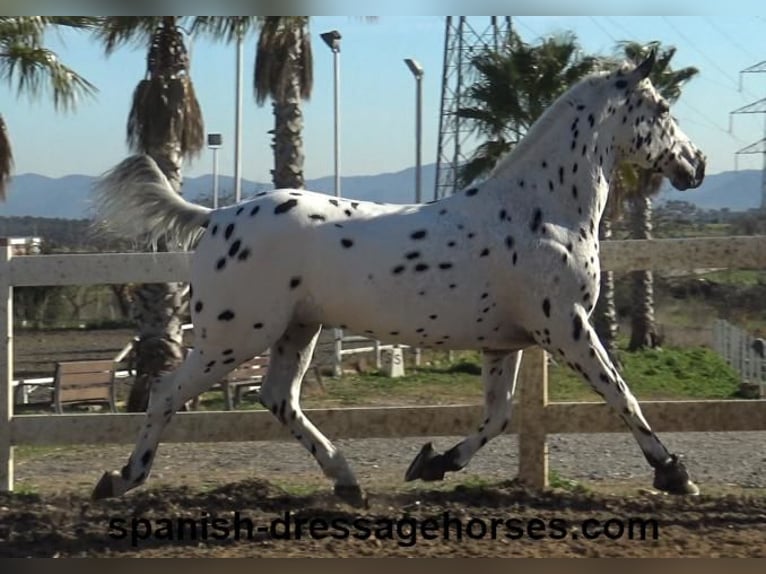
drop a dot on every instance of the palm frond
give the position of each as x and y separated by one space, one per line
117 31
283 56
165 110
225 28
34 69
483 160
513 88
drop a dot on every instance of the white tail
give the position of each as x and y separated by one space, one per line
135 198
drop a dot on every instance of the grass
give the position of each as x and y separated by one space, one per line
736 277
654 374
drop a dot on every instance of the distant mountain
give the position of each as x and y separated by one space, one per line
67 197
735 190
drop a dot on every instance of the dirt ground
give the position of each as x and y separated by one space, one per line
51 514
146 524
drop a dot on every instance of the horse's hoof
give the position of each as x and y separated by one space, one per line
105 487
427 465
351 494
673 478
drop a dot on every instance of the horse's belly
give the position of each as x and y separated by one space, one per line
412 314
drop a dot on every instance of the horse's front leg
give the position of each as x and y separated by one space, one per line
499 373
568 334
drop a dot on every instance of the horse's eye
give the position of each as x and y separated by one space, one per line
663 107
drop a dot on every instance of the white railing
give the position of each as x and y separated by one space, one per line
743 352
533 420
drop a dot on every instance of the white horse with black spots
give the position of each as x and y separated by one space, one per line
506 264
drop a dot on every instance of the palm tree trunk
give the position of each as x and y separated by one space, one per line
288 144
643 329
288 128
158 310
605 313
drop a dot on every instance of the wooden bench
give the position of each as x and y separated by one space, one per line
246 377
78 382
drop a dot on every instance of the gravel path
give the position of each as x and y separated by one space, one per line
732 459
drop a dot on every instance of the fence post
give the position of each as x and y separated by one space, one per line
337 355
6 366
533 446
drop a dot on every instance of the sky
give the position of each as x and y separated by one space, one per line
377 93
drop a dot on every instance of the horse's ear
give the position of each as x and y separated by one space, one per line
643 70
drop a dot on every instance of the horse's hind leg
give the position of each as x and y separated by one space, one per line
500 371
168 394
280 393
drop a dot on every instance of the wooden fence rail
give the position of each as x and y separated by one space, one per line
534 417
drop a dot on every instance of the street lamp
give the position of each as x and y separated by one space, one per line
238 117
215 142
417 71
332 39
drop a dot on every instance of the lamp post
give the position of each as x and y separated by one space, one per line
238 118
417 71
214 142
332 39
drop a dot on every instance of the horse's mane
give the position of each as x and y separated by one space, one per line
548 118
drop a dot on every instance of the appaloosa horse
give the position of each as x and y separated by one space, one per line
503 265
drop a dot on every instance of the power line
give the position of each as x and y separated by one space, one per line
616 23
731 40
604 30
708 122
701 53
523 24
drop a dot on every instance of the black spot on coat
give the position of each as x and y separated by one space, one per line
227 315
285 206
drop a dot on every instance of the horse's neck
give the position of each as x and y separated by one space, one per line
553 174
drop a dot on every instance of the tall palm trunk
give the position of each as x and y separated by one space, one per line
159 307
157 310
288 143
288 120
643 329
605 313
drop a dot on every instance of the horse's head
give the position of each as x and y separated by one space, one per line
647 134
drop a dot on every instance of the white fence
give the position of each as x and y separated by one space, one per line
743 352
533 420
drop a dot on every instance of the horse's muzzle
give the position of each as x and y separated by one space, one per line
691 172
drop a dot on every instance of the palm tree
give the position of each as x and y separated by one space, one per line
165 122
283 73
669 83
514 87
26 63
